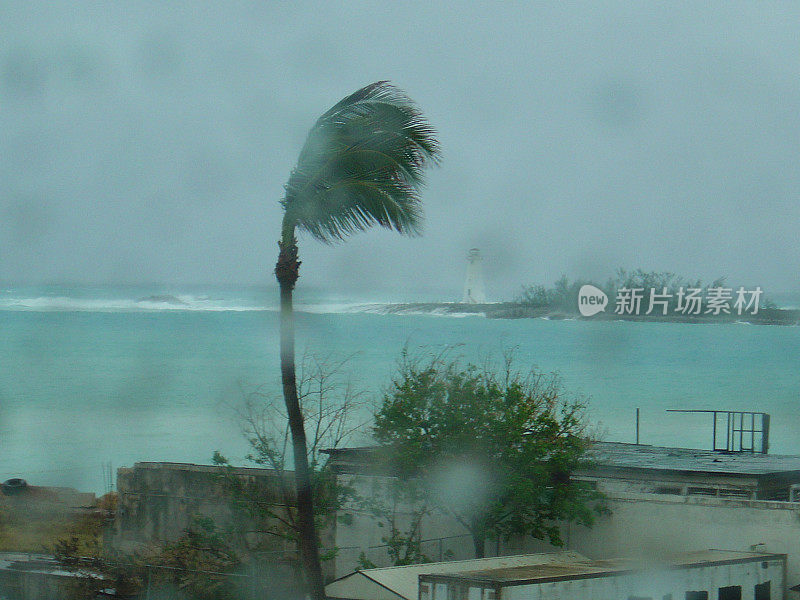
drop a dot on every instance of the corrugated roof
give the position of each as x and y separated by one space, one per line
404 581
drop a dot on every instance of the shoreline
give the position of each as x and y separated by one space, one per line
513 310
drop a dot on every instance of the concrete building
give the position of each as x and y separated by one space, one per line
157 502
663 501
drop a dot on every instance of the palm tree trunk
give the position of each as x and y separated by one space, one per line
287 272
479 543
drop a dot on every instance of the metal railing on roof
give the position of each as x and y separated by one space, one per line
736 431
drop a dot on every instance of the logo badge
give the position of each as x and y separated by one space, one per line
591 300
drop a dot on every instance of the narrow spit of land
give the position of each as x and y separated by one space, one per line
514 310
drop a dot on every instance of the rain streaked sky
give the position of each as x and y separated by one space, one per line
150 141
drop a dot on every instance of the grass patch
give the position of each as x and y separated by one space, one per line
40 520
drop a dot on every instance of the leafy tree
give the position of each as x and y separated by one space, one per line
362 165
496 450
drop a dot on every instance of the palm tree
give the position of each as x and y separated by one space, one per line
362 165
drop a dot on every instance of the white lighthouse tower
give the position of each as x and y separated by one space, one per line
473 286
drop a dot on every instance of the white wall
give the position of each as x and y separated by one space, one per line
652 526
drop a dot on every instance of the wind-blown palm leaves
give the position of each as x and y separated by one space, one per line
362 165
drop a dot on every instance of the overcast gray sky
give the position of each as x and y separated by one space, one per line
150 141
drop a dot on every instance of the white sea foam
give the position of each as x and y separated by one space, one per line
435 312
338 308
203 303
147 304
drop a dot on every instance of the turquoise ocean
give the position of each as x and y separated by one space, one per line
97 376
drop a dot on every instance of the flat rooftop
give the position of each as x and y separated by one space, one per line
619 455
196 468
579 568
663 458
403 581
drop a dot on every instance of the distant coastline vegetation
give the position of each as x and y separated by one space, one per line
563 295
560 301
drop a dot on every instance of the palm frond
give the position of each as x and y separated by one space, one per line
362 165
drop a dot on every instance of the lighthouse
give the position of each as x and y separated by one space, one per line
473 286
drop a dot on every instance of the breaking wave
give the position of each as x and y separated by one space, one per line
202 303
145 304
337 308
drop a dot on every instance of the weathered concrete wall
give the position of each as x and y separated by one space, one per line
157 502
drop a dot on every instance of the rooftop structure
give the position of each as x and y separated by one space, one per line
698 575
568 575
735 430
663 458
642 468
571 565
635 457
392 583
684 471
